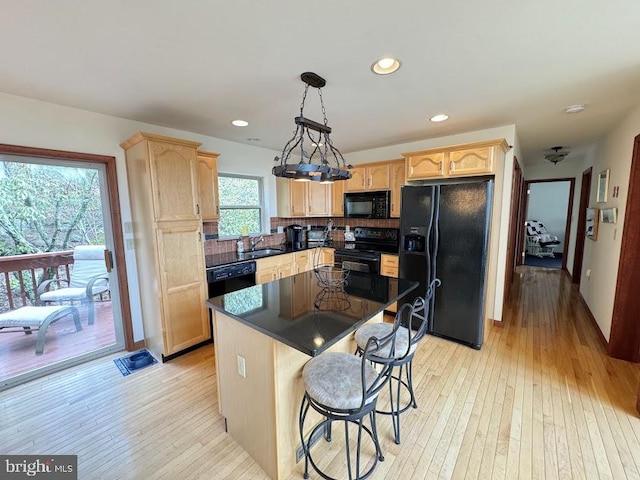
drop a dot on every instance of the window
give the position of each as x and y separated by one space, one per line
240 205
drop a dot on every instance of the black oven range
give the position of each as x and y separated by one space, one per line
363 254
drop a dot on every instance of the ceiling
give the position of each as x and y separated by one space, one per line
196 65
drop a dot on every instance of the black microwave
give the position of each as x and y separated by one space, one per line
367 204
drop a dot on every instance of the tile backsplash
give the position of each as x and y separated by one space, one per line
213 245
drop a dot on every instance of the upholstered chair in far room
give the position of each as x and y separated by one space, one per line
343 387
88 279
539 242
413 321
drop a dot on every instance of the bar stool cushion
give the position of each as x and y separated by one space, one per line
333 379
380 330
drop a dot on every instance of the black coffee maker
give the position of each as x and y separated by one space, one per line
294 237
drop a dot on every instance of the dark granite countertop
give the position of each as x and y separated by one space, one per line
305 312
220 259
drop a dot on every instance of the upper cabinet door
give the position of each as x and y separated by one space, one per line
357 182
208 185
298 198
396 174
174 181
378 177
426 165
337 198
471 161
318 199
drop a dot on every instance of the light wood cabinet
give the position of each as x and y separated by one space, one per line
276 267
208 185
185 321
171 177
397 179
358 181
389 267
163 190
369 178
303 261
337 198
303 199
480 158
318 199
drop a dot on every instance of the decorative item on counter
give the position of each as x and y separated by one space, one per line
240 246
245 230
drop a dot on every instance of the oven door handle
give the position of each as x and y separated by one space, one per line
357 266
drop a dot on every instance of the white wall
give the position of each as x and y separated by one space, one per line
548 203
614 152
502 198
33 123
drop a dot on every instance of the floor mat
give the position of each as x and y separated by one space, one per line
134 361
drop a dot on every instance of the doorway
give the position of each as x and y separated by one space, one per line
56 201
548 210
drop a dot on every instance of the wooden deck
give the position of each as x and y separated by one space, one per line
540 400
17 350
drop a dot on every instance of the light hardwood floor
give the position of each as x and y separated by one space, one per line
540 400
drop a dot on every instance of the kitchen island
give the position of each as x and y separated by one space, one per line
263 336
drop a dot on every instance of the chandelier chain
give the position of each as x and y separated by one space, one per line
324 112
304 98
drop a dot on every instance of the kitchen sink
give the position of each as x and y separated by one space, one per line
262 252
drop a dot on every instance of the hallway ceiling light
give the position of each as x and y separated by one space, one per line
239 123
329 163
557 155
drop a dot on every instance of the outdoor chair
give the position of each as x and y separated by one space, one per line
88 279
38 318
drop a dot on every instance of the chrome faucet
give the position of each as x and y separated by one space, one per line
254 241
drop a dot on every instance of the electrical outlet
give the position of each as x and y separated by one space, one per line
128 227
129 244
242 366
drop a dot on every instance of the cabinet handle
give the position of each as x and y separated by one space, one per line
452 166
199 236
441 167
197 209
217 210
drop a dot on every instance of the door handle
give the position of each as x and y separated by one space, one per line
108 260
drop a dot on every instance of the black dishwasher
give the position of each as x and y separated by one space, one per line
229 278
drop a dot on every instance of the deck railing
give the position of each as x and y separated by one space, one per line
20 276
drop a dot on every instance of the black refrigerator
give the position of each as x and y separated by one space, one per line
444 228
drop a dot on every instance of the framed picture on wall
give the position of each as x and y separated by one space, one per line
592 223
609 215
603 186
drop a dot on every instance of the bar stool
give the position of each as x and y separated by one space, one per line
344 387
413 321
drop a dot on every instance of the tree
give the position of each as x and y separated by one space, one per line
47 208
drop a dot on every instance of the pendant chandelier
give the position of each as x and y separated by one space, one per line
325 163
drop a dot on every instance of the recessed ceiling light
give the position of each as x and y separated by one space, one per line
240 123
574 108
253 139
441 117
385 66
